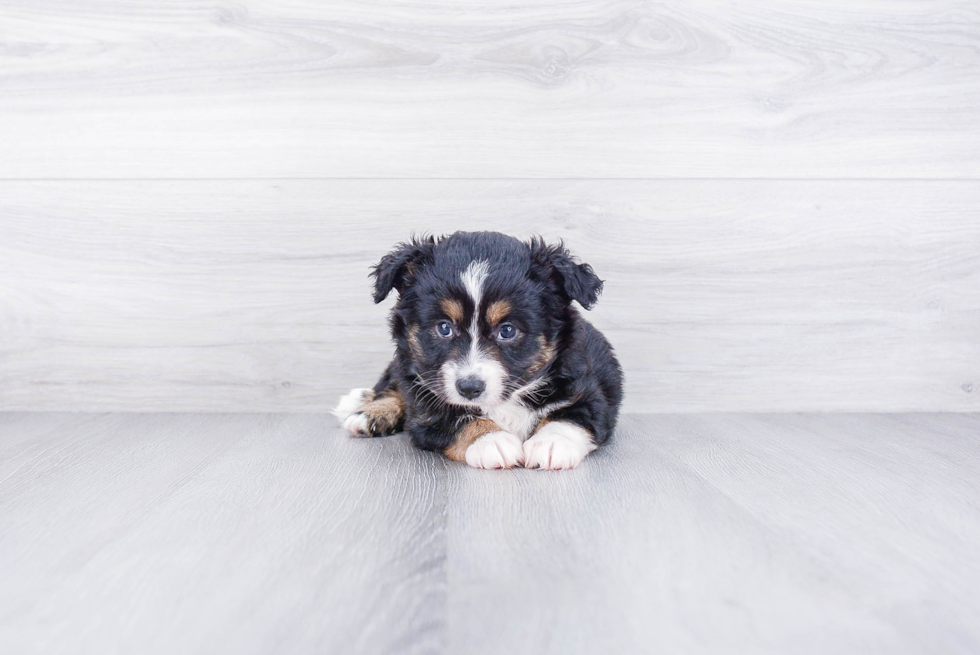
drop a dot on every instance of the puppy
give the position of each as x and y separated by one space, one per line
493 366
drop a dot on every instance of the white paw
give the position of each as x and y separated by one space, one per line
495 450
347 410
357 425
557 445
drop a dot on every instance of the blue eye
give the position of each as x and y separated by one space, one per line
506 332
444 329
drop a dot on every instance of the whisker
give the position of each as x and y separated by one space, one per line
429 397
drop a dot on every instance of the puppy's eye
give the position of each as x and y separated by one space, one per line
444 329
506 332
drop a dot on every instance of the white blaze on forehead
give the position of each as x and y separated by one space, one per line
473 278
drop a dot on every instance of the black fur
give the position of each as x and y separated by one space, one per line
540 281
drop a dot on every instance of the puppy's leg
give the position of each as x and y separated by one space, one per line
558 445
373 412
564 438
482 444
349 407
567 435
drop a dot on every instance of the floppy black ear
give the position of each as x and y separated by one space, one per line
577 281
398 268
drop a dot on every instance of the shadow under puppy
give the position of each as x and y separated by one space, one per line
493 366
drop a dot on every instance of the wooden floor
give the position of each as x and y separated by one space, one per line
781 533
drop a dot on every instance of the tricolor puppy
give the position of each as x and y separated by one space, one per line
493 366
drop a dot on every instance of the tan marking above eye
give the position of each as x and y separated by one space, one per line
498 311
453 309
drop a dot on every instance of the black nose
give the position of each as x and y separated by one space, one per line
470 388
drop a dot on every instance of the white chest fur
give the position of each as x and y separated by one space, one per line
517 419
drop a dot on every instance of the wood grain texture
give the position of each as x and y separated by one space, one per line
216 534
720 295
728 533
225 533
599 88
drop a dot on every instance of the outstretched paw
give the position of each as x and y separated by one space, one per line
557 445
348 411
364 414
495 450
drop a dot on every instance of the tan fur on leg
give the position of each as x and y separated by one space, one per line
465 437
385 412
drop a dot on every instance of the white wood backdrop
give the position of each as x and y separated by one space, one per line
783 199
473 88
252 294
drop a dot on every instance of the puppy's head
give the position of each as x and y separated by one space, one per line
479 313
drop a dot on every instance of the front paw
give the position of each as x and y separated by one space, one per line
358 425
557 445
348 411
495 450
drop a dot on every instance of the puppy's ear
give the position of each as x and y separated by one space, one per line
397 269
576 281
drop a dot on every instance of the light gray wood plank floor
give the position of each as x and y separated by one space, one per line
275 533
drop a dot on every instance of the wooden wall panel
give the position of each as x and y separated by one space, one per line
616 88
247 295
